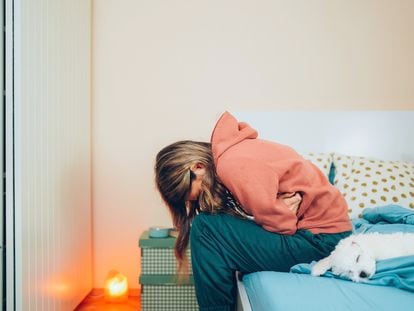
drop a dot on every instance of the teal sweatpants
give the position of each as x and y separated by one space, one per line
222 244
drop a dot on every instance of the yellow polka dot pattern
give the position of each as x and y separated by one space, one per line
322 160
367 182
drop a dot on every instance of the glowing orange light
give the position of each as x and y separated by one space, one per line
116 287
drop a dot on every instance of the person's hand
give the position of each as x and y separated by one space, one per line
292 200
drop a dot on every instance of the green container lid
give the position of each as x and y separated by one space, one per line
147 242
163 279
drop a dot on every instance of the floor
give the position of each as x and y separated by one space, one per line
96 301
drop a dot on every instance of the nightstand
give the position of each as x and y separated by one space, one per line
160 290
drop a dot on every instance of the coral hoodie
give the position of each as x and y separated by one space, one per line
256 170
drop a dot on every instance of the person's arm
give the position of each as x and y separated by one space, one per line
256 185
292 200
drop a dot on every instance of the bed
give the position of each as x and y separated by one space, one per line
369 157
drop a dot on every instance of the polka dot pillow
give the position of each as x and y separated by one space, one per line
367 182
322 160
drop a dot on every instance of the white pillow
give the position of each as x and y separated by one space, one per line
322 160
368 182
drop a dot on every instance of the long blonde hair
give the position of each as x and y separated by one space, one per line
173 178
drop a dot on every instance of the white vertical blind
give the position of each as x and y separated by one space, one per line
52 153
1 156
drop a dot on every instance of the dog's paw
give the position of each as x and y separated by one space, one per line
317 270
321 266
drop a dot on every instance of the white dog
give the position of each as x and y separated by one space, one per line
355 256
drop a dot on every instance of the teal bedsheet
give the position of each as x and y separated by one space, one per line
391 288
396 272
274 291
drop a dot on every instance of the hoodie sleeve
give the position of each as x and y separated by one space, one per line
255 185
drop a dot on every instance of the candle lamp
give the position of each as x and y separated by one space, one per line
116 287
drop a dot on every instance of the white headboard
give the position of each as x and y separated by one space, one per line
387 135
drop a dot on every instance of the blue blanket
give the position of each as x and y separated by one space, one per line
385 219
397 272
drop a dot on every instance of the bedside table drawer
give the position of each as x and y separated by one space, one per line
168 298
159 261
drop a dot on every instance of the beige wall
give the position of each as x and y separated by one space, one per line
165 70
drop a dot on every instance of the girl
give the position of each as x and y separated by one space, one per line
250 204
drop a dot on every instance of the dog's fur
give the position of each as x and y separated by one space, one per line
355 256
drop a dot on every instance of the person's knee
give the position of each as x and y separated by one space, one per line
203 223
199 225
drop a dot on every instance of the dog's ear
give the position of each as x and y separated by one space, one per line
355 245
321 266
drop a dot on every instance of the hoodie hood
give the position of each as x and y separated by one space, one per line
229 132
